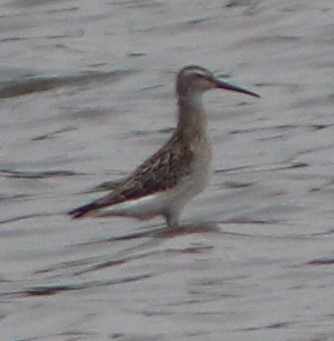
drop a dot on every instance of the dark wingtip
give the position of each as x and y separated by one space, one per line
82 210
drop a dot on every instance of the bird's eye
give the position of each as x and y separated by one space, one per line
200 75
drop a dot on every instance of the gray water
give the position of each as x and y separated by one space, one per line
87 93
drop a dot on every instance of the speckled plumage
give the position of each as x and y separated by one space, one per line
171 177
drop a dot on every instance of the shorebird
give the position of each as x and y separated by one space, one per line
179 170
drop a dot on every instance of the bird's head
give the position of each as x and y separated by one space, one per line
196 79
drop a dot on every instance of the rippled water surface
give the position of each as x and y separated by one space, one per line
87 92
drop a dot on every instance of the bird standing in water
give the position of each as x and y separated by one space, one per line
179 170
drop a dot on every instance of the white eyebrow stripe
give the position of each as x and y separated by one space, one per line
197 72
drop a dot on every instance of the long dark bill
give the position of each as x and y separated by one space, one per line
227 86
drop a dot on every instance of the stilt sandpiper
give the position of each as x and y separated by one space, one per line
179 170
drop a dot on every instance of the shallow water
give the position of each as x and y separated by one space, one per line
87 92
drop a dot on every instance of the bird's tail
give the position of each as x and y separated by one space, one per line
84 210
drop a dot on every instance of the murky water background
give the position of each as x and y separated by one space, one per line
87 92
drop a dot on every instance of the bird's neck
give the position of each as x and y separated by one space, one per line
192 117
